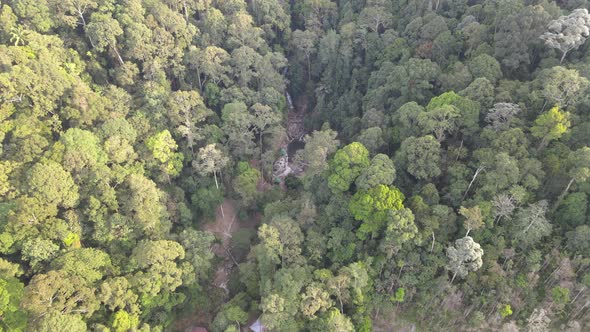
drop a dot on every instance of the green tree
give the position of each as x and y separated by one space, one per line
60 322
564 87
56 292
318 147
103 30
578 168
315 300
333 321
473 218
123 321
163 148
347 165
399 230
372 206
380 171
531 224
11 293
550 126
246 181
52 185
420 157
140 200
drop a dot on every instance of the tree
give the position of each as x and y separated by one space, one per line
246 181
211 63
486 66
264 118
420 157
72 11
318 146
380 171
37 251
89 264
304 41
473 218
399 230
464 257
573 209
103 30
531 224
372 207
163 148
504 205
237 125
550 125
123 321
82 150
52 185
439 121
140 200
375 16
568 32
347 165
186 111
564 87
500 117
538 321
11 293
60 322
56 292
333 321
578 240
578 163
315 300
210 160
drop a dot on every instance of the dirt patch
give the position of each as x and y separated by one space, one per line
225 225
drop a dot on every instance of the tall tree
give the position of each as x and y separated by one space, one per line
464 257
568 32
550 125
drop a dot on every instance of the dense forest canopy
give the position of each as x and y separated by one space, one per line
316 165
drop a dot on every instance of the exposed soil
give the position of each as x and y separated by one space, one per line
227 223
223 227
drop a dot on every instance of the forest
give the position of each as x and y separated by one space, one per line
302 165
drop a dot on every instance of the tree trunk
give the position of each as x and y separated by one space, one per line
308 68
580 292
543 144
562 57
569 184
453 279
199 78
432 246
118 55
479 169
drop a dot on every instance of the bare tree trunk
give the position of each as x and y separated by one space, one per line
185 11
568 187
118 55
477 171
580 292
432 246
562 57
308 68
542 145
199 78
